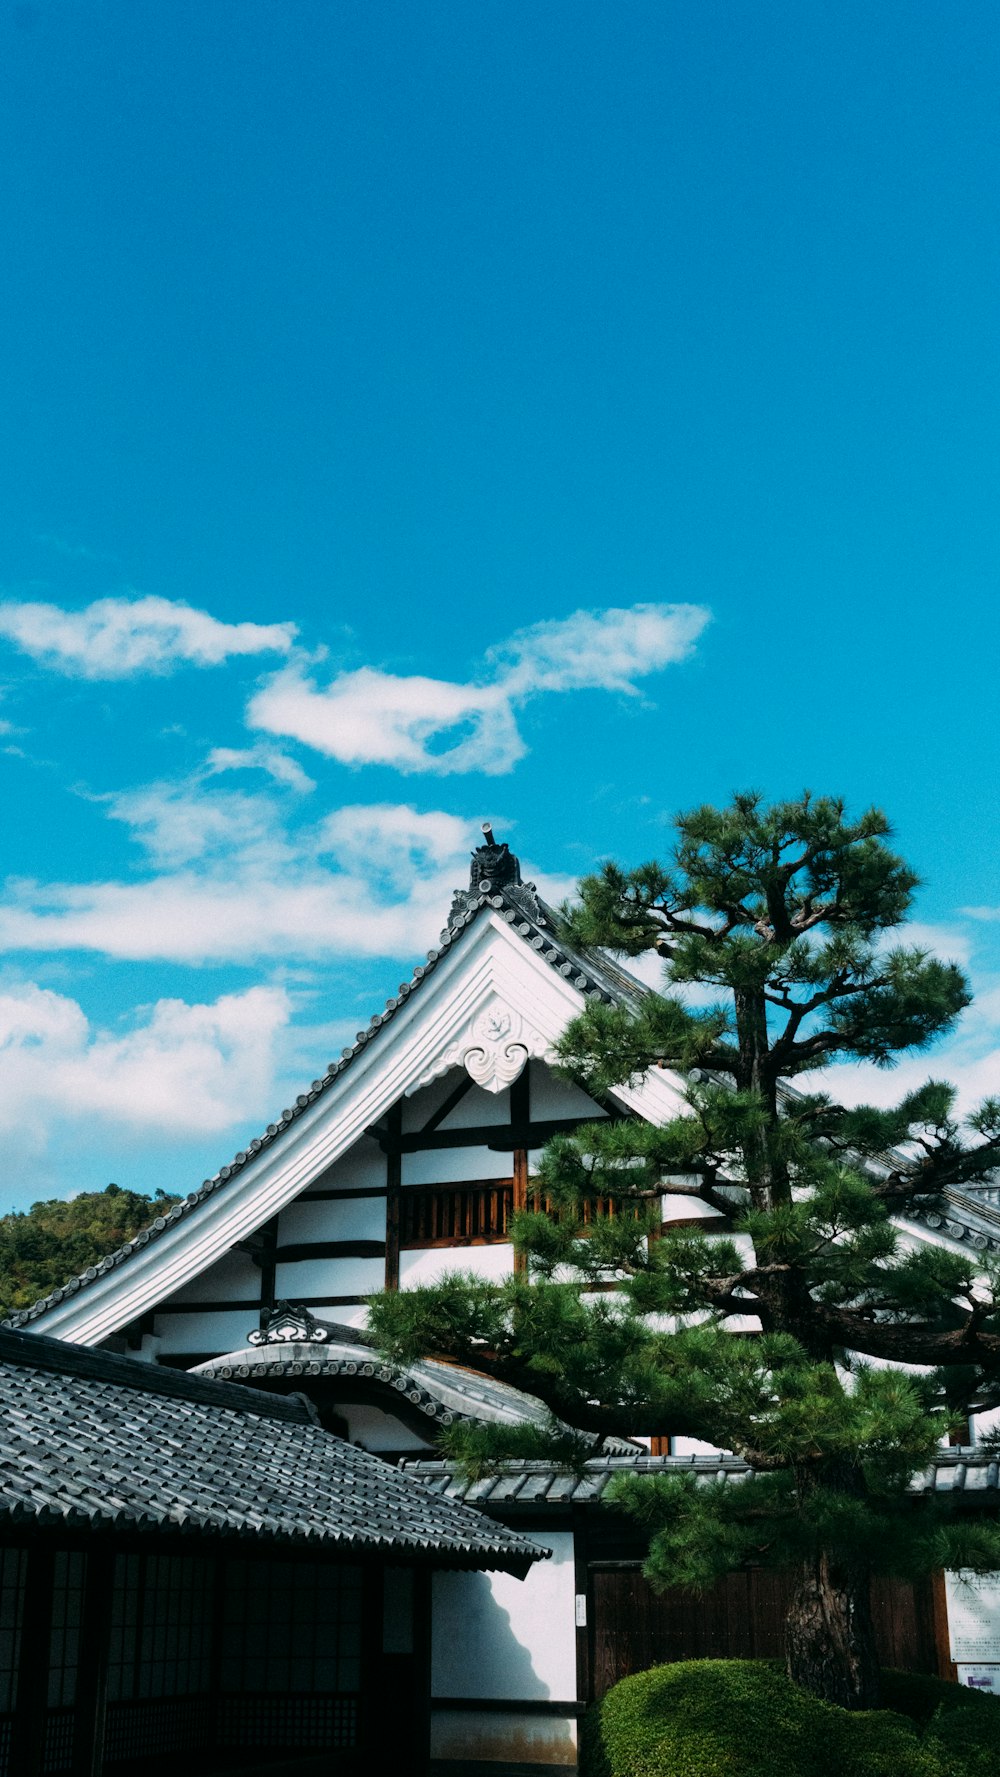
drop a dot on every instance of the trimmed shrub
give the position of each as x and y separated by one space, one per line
967 1741
920 1696
743 1718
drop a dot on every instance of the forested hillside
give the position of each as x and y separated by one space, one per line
43 1246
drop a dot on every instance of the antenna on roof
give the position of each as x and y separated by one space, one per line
488 833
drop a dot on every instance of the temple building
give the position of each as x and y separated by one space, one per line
402 1162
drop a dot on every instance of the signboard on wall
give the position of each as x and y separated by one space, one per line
974 1615
981 1678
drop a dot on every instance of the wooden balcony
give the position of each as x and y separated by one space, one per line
476 1212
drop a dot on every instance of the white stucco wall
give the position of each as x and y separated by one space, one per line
500 1637
297 1278
350 1218
439 1166
429 1264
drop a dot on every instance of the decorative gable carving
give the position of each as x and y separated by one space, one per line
493 1047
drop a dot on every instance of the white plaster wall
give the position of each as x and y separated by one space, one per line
421 1106
497 1636
233 1277
677 1207
431 1263
361 1166
328 1277
376 1430
442 1166
552 1097
479 1106
179 1333
348 1315
353 1218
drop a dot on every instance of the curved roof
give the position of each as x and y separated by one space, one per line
298 1346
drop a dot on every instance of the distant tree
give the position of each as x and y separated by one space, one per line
806 1336
44 1246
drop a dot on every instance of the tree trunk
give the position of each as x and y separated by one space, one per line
829 1634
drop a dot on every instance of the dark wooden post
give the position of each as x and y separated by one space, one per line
393 1186
942 1633
520 1117
92 1671
27 1747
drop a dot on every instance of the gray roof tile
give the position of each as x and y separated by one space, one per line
91 1440
964 1470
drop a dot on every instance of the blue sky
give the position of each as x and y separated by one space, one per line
414 413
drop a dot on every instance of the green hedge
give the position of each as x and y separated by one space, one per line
743 1718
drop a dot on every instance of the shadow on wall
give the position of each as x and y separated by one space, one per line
476 1650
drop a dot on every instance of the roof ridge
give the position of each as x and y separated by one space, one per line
36 1351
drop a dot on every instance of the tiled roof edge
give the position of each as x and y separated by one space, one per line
948 1473
35 1351
552 950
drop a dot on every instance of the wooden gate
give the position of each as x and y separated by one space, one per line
740 1618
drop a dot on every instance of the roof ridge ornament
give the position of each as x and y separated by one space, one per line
494 870
286 1324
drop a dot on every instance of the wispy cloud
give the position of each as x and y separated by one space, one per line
119 638
234 885
195 1066
374 718
598 650
277 765
418 724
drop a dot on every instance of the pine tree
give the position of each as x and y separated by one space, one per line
808 1338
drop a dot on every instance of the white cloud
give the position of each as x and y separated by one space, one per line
177 824
373 718
197 1067
278 765
602 650
116 638
416 724
235 886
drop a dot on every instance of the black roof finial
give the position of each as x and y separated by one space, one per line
495 871
494 865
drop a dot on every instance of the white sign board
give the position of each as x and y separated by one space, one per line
974 1615
981 1678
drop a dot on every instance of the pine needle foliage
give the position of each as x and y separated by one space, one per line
796 1329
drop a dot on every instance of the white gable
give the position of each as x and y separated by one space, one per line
492 1001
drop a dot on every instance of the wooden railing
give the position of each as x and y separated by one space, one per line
477 1212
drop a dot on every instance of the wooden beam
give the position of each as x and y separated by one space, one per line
393 1186
329 1249
942 1632
581 1588
334 1196
501 1137
269 1245
520 1117
444 1110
